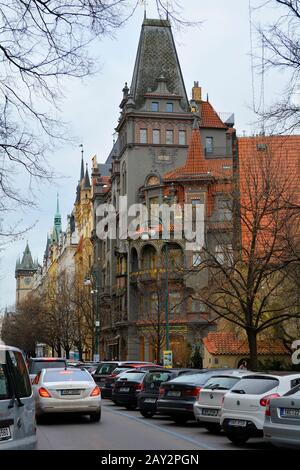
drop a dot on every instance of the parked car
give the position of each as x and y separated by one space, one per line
106 368
68 390
129 385
17 406
36 364
243 409
148 397
106 390
177 397
207 407
282 420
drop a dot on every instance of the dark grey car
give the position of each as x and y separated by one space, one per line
282 420
177 397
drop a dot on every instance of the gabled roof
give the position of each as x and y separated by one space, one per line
156 55
196 166
227 343
210 118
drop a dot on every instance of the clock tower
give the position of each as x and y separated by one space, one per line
24 274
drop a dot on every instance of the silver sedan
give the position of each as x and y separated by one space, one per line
68 390
282 421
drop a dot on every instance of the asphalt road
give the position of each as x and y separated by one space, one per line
120 429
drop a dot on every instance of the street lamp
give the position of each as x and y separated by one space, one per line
90 281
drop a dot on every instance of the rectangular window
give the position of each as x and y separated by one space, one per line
209 145
224 209
182 138
156 136
169 107
169 137
143 136
154 106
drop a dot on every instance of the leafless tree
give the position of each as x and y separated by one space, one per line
41 43
249 283
281 45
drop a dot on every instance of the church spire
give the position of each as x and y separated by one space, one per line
86 182
82 164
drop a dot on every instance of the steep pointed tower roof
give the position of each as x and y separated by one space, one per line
86 182
57 222
157 55
195 166
27 263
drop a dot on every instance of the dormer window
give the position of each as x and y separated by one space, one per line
154 106
169 107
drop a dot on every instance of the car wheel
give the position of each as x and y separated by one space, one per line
237 440
214 428
180 420
147 414
95 417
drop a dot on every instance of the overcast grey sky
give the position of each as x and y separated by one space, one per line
217 54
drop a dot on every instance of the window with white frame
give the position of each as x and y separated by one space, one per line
182 137
156 136
169 137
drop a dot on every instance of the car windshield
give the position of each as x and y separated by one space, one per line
68 375
4 388
119 370
105 369
136 376
221 383
37 366
198 379
254 385
154 377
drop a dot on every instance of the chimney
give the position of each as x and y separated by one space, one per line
196 92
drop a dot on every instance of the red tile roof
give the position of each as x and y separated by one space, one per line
227 343
197 166
209 117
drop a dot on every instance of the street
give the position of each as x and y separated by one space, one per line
120 429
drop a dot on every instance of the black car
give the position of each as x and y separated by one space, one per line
148 396
109 383
177 397
129 385
106 368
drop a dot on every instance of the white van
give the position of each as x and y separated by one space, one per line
17 405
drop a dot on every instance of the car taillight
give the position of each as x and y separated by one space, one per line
161 391
192 392
95 392
266 400
44 393
138 387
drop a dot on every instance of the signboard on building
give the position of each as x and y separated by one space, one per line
168 359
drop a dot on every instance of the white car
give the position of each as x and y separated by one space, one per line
243 408
207 407
68 390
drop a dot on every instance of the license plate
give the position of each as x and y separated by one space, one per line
209 412
70 392
173 393
124 389
5 434
237 422
290 412
150 400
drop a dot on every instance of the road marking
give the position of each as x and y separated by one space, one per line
155 426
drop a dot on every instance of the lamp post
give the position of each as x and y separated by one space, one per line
90 281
